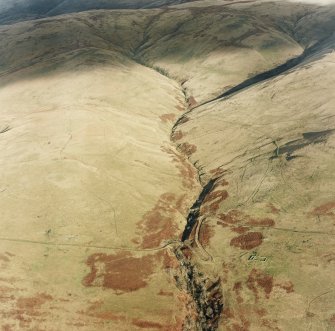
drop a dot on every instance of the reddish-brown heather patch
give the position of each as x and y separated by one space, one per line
273 209
168 117
332 320
96 310
186 170
231 217
165 293
191 101
187 149
28 309
240 229
7 327
248 240
121 271
108 316
180 107
259 280
177 135
169 261
217 172
28 305
181 204
261 222
216 198
227 313
221 182
159 223
236 217
205 234
286 286
146 324
324 210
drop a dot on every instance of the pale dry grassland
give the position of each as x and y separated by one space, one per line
109 130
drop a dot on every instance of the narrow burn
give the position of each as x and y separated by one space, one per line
194 213
205 292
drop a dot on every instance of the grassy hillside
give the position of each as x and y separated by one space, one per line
144 188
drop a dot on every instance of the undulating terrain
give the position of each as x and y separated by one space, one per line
167 165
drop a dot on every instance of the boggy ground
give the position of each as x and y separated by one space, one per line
106 147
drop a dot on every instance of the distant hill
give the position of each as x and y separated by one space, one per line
20 10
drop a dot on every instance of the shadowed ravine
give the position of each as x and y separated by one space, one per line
206 292
272 73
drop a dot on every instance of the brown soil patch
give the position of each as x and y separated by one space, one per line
191 101
180 107
232 217
168 117
259 280
5 293
165 293
261 222
273 209
187 149
146 324
177 135
237 289
324 210
187 252
286 286
4 258
247 241
221 182
217 172
121 271
96 310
